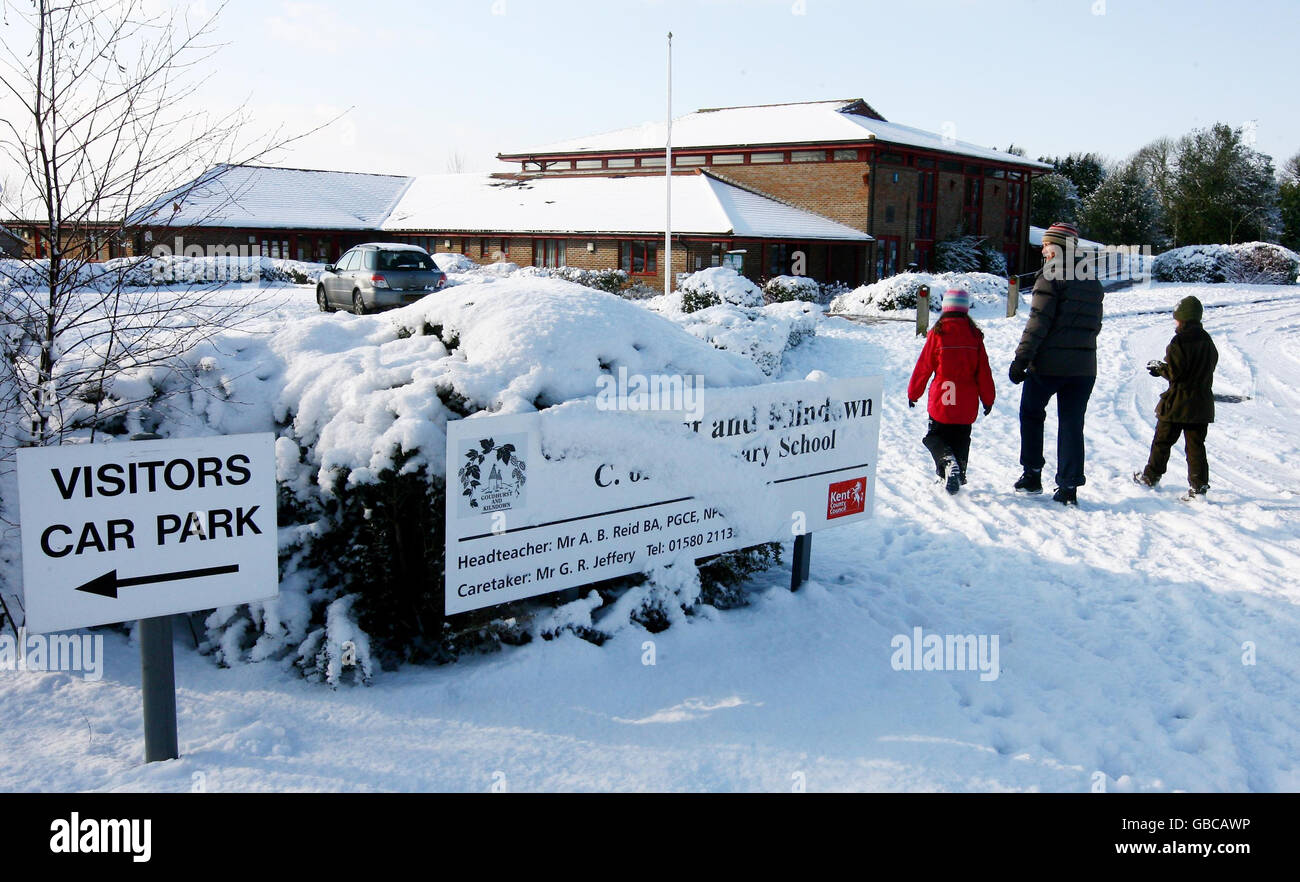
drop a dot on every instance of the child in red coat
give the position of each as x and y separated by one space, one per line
954 354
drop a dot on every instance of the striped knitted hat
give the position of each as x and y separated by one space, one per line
956 300
1060 233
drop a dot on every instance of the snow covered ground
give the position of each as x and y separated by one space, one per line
1122 627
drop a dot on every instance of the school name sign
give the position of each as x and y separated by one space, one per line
523 522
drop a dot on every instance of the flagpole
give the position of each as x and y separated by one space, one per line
668 179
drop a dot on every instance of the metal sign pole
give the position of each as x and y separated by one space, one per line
158 685
802 558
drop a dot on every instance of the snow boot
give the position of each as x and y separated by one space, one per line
1141 479
1194 493
1030 482
953 470
1065 496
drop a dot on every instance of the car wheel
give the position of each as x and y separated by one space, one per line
358 305
321 300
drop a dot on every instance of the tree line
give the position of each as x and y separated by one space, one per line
1208 187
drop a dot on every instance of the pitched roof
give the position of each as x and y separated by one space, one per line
10 242
274 198
634 204
813 122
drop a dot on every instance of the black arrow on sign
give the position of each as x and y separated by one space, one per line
107 584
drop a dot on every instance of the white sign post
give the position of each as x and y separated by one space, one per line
520 523
142 530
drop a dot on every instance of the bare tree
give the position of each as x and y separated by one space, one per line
455 162
98 116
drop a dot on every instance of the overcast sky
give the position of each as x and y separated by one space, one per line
423 82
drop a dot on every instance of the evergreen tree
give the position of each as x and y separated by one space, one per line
1289 203
1123 210
1053 198
1085 170
1222 191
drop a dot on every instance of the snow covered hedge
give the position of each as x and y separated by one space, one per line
716 285
899 292
783 289
1258 263
145 272
361 405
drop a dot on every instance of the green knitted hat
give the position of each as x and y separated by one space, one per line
1189 309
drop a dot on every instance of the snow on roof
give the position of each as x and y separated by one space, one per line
273 198
702 204
814 122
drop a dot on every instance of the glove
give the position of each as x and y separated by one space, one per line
1017 372
988 410
1156 368
911 403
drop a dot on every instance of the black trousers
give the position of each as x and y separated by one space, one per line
1072 394
1198 466
947 438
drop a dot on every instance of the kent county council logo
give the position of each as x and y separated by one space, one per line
492 475
846 498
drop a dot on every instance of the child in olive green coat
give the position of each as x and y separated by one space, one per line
1187 406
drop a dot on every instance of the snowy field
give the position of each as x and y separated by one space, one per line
1122 628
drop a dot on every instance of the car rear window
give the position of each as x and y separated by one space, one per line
404 260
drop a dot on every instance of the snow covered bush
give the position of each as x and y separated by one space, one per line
783 289
988 292
361 407
717 285
761 335
1258 263
968 254
450 262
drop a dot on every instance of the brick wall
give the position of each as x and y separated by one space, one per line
837 190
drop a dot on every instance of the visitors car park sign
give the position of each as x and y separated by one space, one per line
528 514
132 530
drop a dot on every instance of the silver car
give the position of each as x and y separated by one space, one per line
378 275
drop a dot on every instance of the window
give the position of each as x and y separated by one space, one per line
973 206
766 157
689 160
892 158
887 249
548 252
589 164
808 156
925 214
652 161
638 258
623 162
495 249
370 260
845 155
890 213
779 259
402 260
728 158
